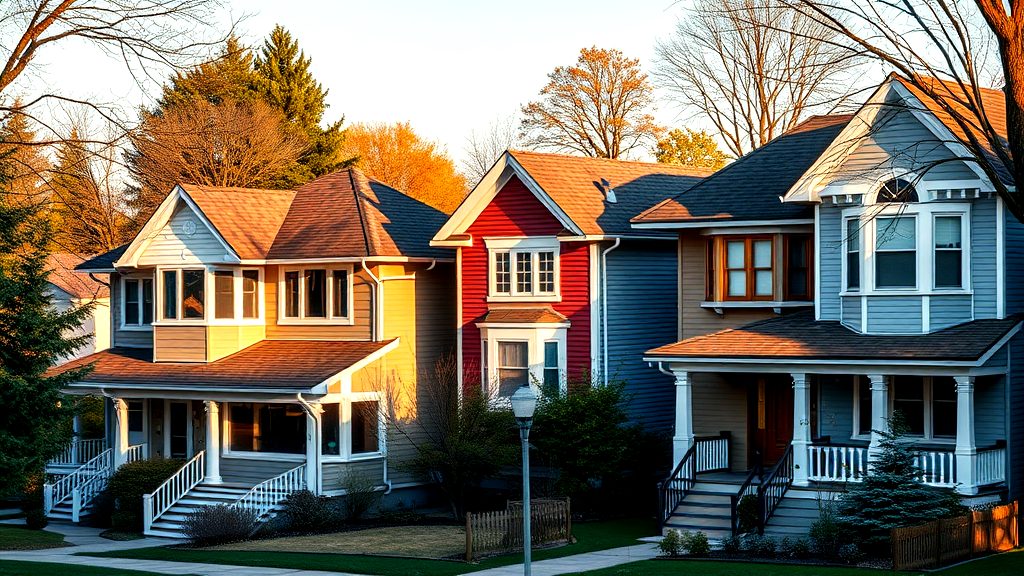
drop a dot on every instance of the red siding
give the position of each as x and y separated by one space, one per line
515 211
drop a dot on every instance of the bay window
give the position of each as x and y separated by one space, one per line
250 294
234 295
896 252
514 356
513 367
137 299
352 428
193 291
748 271
274 428
224 294
316 295
522 268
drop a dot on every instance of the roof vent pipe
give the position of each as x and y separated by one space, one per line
609 192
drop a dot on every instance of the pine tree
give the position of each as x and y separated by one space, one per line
230 77
26 166
33 421
893 495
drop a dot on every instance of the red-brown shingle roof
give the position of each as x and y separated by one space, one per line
799 337
247 218
267 365
523 316
62 275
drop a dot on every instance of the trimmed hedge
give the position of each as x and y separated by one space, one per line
123 497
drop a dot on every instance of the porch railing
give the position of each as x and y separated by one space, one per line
79 452
748 489
990 465
712 453
136 452
266 495
61 490
938 468
829 463
707 454
173 489
773 488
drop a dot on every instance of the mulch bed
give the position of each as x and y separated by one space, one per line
718 555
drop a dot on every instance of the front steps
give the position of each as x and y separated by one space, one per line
795 514
170 523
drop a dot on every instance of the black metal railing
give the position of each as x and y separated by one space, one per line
773 488
673 489
748 490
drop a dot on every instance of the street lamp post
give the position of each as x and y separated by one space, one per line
524 403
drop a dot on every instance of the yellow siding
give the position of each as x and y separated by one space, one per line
362 296
226 340
179 343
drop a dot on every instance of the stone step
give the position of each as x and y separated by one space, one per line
714 488
707 498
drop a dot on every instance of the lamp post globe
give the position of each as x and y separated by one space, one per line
524 404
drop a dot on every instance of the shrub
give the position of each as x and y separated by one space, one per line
850 553
308 512
760 545
671 544
129 483
747 512
220 524
696 543
124 521
35 519
794 548
732 545
361 494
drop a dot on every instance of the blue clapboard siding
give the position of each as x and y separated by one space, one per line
1014 262
989 410
983 257
852 312
830 246
1015 407
835 408
946 311
998 360
642 312
894 315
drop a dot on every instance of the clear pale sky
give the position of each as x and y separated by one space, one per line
448 67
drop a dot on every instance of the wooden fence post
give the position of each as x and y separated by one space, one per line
568 520
938 543
469 536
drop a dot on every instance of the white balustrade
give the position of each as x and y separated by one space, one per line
838 463
712 454
172 490
79 452
263 497
61 490
938 468
136 452
990 466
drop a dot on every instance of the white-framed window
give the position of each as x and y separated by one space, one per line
523 269
514 355
513 366
928 405
137 306
315 294
353 428
552 365
919 248
257 429
225 296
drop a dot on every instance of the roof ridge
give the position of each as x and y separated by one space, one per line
359 210
612 160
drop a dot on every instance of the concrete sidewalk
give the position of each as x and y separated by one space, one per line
579 562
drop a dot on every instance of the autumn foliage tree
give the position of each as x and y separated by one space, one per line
690 148
25 163
598 107
396 155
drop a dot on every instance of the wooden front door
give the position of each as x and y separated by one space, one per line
771 418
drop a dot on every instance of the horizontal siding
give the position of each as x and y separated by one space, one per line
362 297
337 474
1015 407
226 340
894 314
172 245
989 410
852 311
946 311
830 263
641 315
1013 247
720 404
983 258
998 360
127 338
179 343
835 407
251 471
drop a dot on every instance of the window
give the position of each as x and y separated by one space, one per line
896 190
896 252
276 428
138 302
502 273
316 294
864 404
943 407
513 367
360 436
798 267
250 294
330 432
136 410
748 269
546 271
170 280
552 374
927 403
523 267
365 427
853 254
524 273
224 294
908 399
193 303
949 257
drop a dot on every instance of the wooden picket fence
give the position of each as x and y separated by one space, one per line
948 540
501 531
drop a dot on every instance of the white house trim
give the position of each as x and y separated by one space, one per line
717 224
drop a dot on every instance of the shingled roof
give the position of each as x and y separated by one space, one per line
247 218
799 337
62 267
750 188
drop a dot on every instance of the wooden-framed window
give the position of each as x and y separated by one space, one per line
798 279
748 271
316 295
136 303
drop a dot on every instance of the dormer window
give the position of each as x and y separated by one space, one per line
524 269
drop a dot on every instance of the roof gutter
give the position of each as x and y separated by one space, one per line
604 306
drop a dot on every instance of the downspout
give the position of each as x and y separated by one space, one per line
432 264
318 424
661 368
378 321
604 305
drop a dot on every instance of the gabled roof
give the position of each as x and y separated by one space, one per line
62 267
799 337
571 188
102 262
750 188
247 218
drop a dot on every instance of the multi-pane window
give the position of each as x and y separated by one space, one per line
949 252
928 404
798 264
193 294
138 301
853 254
362 432
316 294
339 304
250 294
523 272
224 294
546 271
896 252
552 373
275 428
170 280
502 272
513 367
908 399
748 269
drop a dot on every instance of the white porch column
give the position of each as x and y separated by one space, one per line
682 439
801 429
76 437
212 443
879 412
120 432
312 447
966 449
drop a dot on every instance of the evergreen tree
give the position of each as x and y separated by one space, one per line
230 77
893 495
33 421
25 165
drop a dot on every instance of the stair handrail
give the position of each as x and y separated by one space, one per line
774 487
87 491
61 490
673 489
747 488
173 489
136 452
263 497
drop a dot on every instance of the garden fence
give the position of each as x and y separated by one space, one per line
951 539
501 531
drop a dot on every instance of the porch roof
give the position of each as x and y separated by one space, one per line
798 336
267 366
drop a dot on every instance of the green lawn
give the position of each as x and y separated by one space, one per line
1008 564
590 536
20 538
18 568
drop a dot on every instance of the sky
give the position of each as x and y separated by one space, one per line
448 67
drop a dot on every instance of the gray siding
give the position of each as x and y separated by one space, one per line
852 312
336 474
1015 406
1013 247
252 472
835 407
172 244
642 312
894 315
946 311
127 338
989 410
983 258
830 242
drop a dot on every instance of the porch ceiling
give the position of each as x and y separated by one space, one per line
798 337
268 365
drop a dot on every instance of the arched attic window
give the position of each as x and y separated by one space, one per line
896 190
